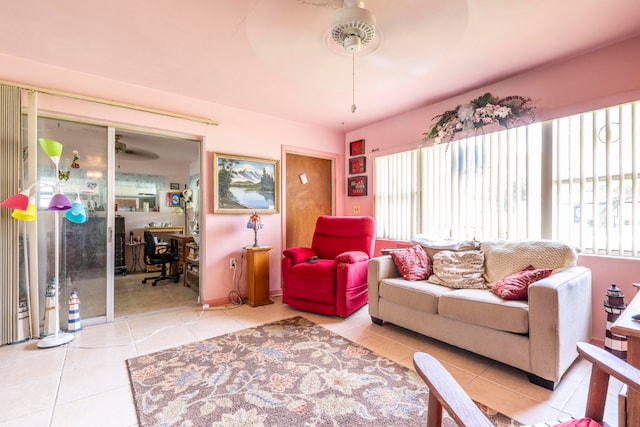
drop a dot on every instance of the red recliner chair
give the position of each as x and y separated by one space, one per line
330 277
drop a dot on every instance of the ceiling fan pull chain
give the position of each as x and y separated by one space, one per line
353 82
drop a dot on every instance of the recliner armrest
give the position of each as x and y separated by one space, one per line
351 257
300 254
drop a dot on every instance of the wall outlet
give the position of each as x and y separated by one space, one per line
232 263
356 209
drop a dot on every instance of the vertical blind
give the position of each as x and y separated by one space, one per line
479 187
12 173
574 179
596 171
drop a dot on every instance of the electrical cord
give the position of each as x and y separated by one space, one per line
234 295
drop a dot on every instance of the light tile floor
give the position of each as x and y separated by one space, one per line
85 382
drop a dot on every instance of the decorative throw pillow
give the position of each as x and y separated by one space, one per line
516 286
413 263
463 269
433 246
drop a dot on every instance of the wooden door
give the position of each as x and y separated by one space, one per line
306 201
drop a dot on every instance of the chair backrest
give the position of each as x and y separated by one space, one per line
337 234
149 246
446 393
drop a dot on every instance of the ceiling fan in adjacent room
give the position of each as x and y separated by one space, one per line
132 153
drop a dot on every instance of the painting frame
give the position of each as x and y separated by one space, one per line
357 165
174 200
254 177
357 186
356 148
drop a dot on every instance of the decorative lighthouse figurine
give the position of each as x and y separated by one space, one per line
50 296
74 312
614 306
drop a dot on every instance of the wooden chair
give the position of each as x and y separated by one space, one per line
445 392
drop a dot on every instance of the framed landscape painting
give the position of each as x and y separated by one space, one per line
242 185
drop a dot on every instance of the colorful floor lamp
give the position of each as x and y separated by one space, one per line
25 210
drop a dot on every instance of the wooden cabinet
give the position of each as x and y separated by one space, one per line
192 269
258 276
181 241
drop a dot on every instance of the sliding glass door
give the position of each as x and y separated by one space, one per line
83 248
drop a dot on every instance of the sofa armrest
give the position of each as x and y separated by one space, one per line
379 268
559 318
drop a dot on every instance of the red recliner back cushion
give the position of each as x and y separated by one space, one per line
335 235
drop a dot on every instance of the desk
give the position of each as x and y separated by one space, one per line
136 249
629 328
176 229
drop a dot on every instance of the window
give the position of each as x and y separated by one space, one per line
596 169
573 179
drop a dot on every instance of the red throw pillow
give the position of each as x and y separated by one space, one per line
516 286
580 422
413 263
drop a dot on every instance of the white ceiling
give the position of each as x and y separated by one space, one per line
275 56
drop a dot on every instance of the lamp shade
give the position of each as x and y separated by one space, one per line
28 214
51 147
17 201
255 222
59 202
77 213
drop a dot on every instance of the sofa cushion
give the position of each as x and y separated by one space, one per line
413 263
481 307
516 286
420 295
458 269
505 257
433 246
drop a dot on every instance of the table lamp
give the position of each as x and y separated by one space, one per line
255 223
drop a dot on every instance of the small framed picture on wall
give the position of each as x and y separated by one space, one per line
357 186
358 165
356 148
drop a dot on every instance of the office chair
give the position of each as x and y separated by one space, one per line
160 256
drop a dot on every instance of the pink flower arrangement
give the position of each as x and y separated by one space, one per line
486 110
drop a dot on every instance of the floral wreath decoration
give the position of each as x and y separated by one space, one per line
485 110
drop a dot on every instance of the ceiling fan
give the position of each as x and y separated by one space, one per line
133 153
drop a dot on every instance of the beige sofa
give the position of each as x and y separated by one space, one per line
538 336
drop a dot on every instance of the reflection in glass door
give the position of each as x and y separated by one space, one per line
83 247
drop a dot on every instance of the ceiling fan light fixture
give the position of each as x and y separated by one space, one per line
353 26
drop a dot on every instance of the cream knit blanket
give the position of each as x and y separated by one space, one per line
505 257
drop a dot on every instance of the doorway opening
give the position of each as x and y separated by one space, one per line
152 173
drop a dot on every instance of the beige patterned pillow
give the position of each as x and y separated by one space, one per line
464 269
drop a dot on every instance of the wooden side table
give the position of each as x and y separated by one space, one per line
258 276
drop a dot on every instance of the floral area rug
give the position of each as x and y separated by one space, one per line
287 373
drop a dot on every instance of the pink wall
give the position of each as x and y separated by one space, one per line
601 78
240 132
